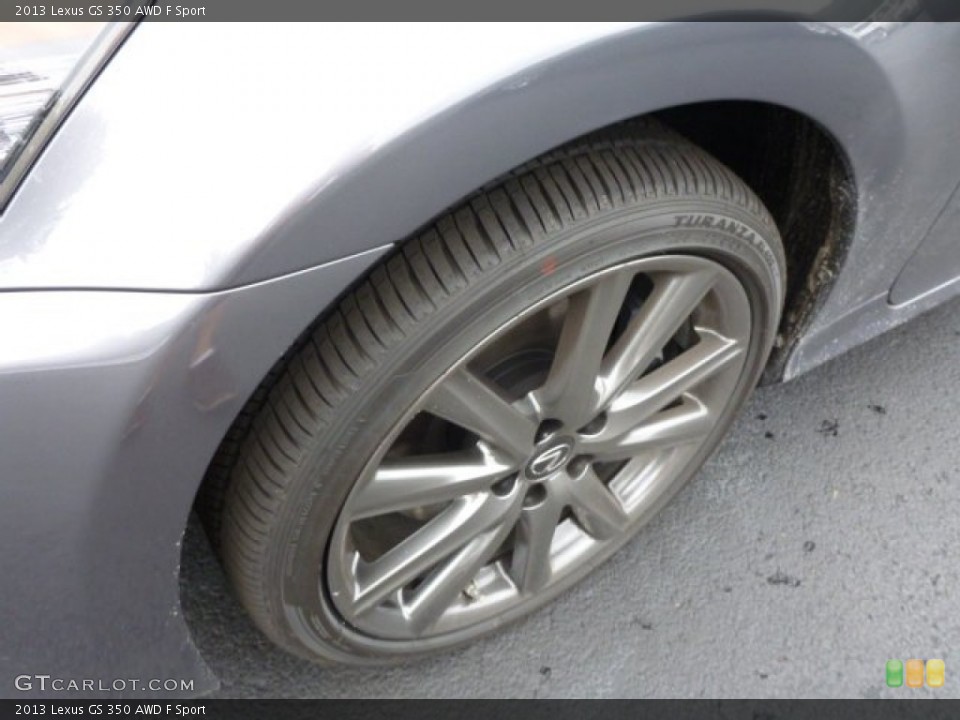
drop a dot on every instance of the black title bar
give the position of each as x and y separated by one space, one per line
298 10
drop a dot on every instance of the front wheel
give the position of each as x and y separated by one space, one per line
502 404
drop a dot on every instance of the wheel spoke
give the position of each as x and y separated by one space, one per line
643 398
689 421
469 401
599 512
443 587
428 479
466 518
672 300
530 567
569 392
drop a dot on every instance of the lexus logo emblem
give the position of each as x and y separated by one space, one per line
550 459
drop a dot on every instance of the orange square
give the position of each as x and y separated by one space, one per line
914 673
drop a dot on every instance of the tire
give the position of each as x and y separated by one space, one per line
631 200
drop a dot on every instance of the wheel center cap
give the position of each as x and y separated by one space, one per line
550 457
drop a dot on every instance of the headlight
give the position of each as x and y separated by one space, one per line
44 68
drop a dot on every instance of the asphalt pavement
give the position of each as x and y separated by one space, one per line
821 540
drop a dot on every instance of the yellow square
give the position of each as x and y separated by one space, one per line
935 673
914 673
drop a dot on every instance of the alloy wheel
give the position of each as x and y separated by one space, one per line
539 450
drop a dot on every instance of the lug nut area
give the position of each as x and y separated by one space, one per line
536 494
594 426
547 429
504 487
578 465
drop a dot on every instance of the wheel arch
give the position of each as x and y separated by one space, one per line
624 75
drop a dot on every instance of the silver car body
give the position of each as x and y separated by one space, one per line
211 194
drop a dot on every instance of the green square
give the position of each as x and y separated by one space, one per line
894 673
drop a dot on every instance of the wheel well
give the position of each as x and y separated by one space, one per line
802 176
790 162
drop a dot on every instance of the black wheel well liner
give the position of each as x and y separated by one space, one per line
802 175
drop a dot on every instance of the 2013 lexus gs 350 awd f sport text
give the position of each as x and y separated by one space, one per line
422 341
